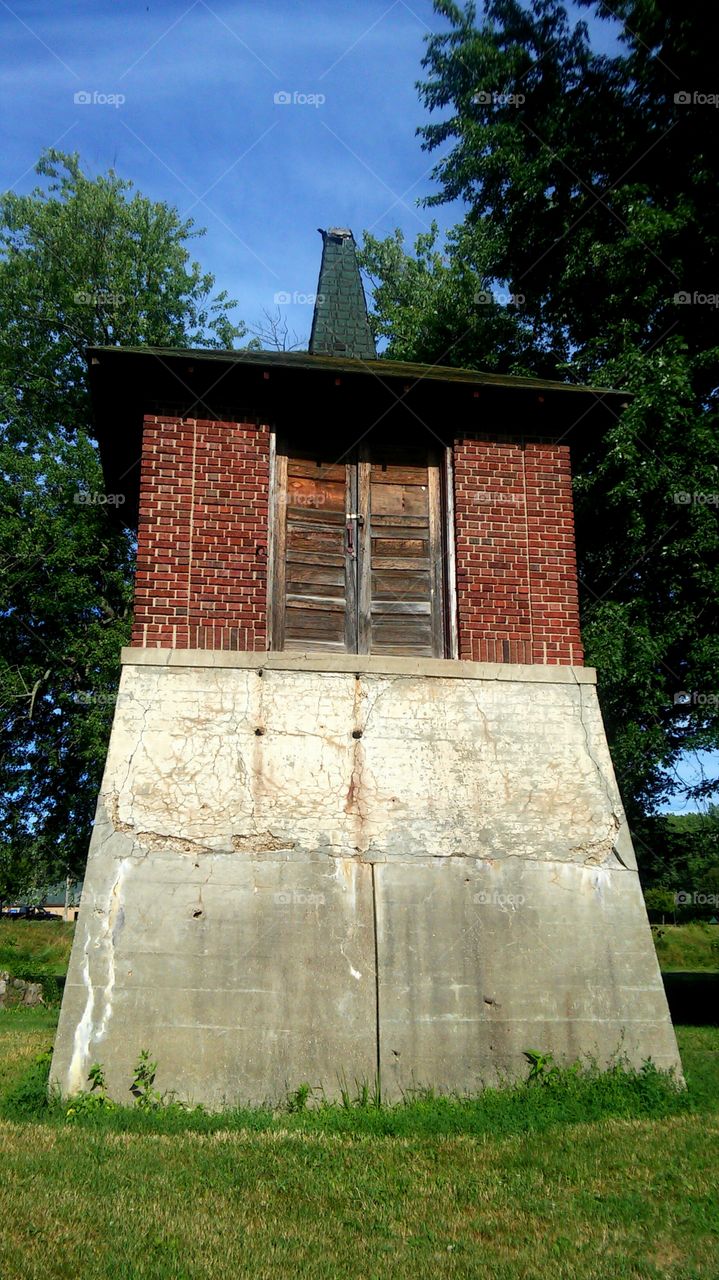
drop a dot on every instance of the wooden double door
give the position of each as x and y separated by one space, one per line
358 554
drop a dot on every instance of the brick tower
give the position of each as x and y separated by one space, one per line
358 817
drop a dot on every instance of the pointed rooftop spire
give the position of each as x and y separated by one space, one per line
340 326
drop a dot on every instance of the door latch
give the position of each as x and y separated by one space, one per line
351 517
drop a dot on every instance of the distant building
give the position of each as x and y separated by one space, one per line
63 899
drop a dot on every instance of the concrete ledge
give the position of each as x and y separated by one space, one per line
360 664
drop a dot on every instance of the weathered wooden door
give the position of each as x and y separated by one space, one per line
358 552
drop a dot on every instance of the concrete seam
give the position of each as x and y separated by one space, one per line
376 983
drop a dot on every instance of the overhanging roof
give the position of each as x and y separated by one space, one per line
284 389
345 364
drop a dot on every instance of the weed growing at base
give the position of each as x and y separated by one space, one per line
552 1095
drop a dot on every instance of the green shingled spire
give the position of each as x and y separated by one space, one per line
340 326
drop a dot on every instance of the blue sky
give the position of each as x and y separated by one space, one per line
199 126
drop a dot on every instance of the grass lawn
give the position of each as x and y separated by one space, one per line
612 1199
574 1184
620 1199
693 947
42 946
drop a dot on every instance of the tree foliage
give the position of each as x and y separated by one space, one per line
588 185
678 854
83 261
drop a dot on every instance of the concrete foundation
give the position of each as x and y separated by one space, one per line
309 868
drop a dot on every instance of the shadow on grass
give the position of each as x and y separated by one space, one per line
693 998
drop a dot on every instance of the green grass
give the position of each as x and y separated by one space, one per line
24 1033
536 1182
42 946
699 1048
569 1098
693 947
606 1177
39 951
618 1200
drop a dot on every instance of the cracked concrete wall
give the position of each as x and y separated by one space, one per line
299 874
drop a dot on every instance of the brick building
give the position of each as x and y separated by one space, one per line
355 746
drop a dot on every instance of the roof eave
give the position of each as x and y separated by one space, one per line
352 365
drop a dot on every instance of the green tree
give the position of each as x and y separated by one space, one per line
83 261
589 184
679 850
437 308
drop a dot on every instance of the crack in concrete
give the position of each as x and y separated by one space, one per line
261 842
615 818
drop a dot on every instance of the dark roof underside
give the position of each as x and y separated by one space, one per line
374 367
326 396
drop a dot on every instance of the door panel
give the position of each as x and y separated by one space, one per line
403 544
314 576
358 563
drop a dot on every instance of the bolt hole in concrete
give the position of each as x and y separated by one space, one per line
196 915
259 733
356 733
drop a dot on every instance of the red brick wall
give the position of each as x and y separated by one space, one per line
202 543
516 567
201 578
